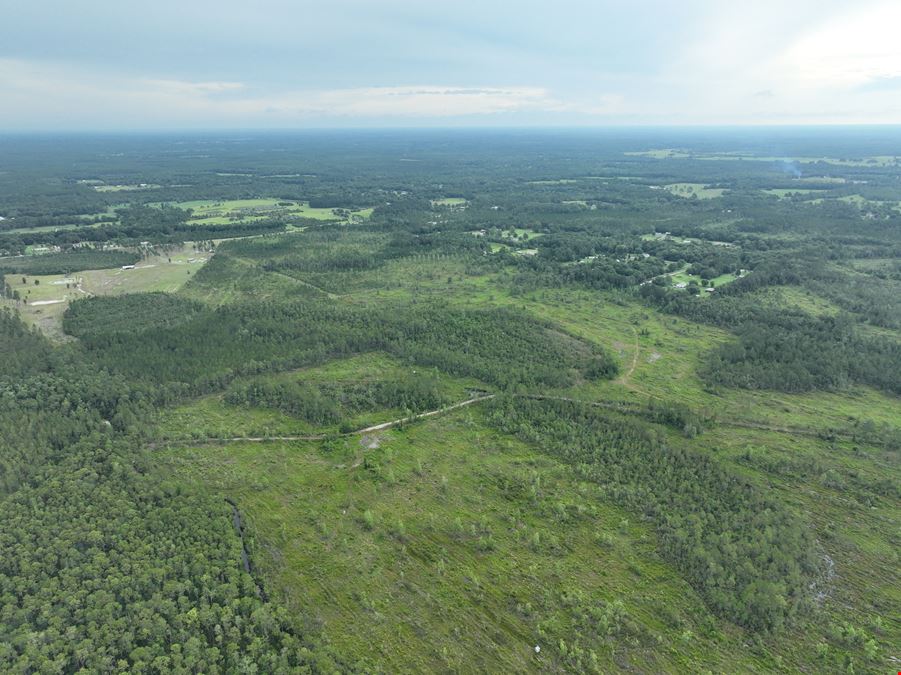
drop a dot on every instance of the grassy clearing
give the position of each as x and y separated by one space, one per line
834 180
47 228
521 234
696 190
211 417
683 277
723 279
659 356
856 200
665 153
449 201
224 212
785 193
799 298
46 302
447 546
126 188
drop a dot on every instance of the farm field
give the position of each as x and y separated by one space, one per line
125 188
521 234
784 193
46 297
698 190
223 212
449 201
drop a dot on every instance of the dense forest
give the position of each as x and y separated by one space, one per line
105 564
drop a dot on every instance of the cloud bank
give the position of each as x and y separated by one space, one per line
280 64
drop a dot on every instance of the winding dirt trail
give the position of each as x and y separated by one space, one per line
321 437
624 379
622 407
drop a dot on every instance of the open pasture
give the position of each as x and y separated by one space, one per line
224 212
785 193
450 201
694 190
44 303
126 188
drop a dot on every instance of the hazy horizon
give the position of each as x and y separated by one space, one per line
104 66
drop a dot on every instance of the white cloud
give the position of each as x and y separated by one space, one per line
182 88
812 61
850 50
416 101
59 95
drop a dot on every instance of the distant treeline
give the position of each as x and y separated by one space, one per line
75 260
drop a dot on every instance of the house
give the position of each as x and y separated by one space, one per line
681 284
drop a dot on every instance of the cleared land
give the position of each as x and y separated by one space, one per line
521 234
212 417
451 546
213 212
698 190
444 514
126 188
45 302
784 193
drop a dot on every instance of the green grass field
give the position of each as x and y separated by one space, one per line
447 546
698 190
46 302
784 193
224 212
667 153
211 416
521 234
126 188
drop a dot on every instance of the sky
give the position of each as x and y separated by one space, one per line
278 64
